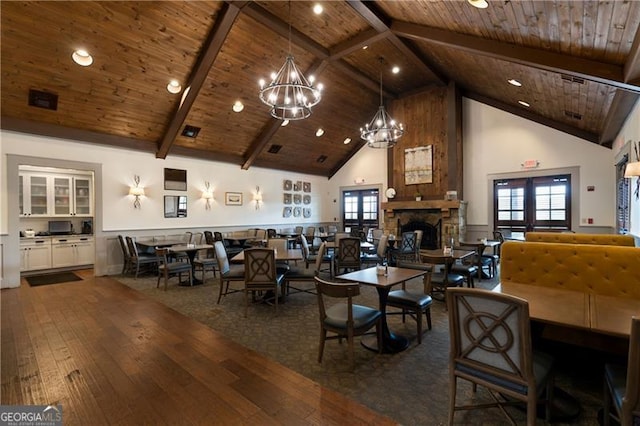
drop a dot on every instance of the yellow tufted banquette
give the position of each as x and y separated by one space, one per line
595 269
570 238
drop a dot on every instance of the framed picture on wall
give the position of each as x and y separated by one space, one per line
233 198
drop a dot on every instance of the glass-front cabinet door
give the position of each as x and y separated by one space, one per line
33 195
62 196
83 192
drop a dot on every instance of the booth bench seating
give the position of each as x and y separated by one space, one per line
571 238
608 270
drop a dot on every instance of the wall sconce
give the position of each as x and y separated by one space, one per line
632 170
137 191
257 197
207 195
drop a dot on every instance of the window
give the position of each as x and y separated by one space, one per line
622 197
536 203
360 209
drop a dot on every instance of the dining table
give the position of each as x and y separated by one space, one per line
149 246
391 342
190 250
479 247
280 255
597 313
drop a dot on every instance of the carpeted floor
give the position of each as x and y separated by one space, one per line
55 278
411 386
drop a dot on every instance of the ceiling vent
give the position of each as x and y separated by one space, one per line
190 131
274 149
43 100
573 115
321 159
572 79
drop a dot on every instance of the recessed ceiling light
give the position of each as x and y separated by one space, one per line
317 9
284 123
347 141
480 4
82 57
174 87
523 103
320 132
514 82
238 106
395 69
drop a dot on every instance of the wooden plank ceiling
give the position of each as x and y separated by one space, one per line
579 63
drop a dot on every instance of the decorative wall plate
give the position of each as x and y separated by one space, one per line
306 187
286 212
306 199
306 212
286 198
296 211
297 186
297 198
287 185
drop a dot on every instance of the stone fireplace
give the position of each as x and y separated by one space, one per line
438 219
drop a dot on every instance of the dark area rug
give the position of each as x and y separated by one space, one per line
56 278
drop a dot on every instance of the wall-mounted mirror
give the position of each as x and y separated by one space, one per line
175 206
175 179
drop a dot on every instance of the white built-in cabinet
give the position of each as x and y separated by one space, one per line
55 194
35 254
72 251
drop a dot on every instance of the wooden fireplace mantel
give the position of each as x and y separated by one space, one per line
442 205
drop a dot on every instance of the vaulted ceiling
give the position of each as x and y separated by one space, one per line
578 61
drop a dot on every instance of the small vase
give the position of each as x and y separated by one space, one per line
419 198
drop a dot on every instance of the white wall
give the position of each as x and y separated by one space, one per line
496 142
366 169
114 207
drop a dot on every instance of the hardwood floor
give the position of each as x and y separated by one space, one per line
110 356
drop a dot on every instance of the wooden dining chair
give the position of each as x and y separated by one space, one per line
260 274
126 257
304 274
442 277
167 269
345 319
622 384
138 259
413 302
490 346
227 274
348 254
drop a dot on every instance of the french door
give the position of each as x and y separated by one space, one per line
538 203
360 209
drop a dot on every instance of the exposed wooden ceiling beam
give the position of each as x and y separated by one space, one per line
524 113
555 62
86 136
365 38
205 155
207 57
381 23
621 106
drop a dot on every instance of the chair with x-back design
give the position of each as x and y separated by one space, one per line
491 346
260 274
348 254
